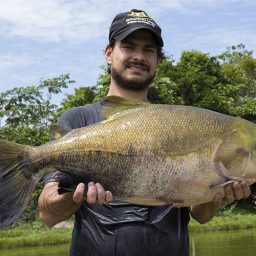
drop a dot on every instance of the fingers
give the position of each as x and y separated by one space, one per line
97 194
78 195
246 189
109 197
218 200
236 191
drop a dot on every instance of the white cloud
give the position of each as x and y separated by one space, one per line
8 62
80 20
214 40
51 20
225 34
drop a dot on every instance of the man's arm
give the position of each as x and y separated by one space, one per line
54 208
205 212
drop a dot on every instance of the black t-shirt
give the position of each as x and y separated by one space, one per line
121 228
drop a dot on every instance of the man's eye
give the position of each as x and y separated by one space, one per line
150 50
127 46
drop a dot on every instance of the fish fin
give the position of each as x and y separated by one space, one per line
114 104
220 185
160 216
58 131
16 183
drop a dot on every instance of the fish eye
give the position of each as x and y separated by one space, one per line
242 151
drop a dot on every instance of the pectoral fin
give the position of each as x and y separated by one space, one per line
220 185
58 131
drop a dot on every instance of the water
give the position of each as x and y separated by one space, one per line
61 250
228 243
232 243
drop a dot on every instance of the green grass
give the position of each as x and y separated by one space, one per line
229 219
34 234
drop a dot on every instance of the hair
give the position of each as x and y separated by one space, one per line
160 52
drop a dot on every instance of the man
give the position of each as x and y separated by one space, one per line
119 228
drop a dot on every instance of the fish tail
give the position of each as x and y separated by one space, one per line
16 182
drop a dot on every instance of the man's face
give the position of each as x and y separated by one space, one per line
134 60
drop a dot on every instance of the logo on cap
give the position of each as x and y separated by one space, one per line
140 14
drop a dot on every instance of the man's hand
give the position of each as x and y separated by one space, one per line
54 208
234 191
95 194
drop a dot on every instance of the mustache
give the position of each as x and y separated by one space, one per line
137 63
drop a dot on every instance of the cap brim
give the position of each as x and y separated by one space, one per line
123 35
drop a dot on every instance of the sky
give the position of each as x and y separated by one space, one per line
44 39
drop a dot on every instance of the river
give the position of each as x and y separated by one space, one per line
232 243
228 243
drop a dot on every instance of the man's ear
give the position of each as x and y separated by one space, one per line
108 54
158 61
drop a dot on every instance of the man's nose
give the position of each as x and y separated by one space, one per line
139 55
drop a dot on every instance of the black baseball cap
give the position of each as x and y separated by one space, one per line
125 23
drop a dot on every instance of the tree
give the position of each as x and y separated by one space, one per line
164 89
31 106
81 97
103 83
239 90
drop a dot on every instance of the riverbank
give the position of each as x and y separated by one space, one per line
238 219
36 234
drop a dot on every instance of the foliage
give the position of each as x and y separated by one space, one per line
103 84
31 106
238 93
81 97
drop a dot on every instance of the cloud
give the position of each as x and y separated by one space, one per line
224 36
80 20
213 40
51 20
8 62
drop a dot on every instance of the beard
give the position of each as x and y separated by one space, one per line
133 84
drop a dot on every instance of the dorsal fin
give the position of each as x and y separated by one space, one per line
57 131
115 104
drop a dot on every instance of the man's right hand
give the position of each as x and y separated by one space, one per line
95 194
55 208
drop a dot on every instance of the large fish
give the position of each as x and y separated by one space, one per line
143 153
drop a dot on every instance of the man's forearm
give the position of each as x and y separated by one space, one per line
204 212
234 191
54 208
